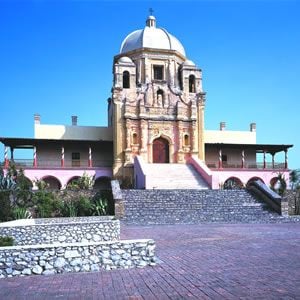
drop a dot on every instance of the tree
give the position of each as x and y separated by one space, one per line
295 178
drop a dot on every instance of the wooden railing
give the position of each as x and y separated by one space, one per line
260 166
29 163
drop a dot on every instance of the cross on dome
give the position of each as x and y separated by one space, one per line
151 21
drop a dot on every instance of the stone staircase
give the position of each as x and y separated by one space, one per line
174 176
194 206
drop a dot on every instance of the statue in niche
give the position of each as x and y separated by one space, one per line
159 100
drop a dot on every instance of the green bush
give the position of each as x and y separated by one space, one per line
68 209
83 205
6 241
46 204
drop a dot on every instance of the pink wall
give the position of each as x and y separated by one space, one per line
220 176
64 175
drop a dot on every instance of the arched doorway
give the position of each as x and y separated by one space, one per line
52 182
160 151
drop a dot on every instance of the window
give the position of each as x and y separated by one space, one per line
126 80
75 159
158 72
192 88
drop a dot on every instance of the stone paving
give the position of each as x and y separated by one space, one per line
208 261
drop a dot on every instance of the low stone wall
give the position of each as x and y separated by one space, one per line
75 257
62 230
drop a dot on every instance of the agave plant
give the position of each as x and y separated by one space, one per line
21 213
7 181
100 207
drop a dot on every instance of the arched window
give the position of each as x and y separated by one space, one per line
134 138
160 97
160 93
192 88
186 140
126 80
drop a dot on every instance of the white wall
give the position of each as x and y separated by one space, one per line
92 133
230 137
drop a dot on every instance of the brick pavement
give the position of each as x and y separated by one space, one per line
208 261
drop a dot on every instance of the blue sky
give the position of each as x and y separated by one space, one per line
56 60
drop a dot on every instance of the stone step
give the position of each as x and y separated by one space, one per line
193 206
174 176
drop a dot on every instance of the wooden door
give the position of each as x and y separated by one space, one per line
160 151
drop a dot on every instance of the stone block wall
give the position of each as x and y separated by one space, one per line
75 257
62 230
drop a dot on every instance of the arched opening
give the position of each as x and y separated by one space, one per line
192 87
160 97
160 151
134 139
72 181
126 80
273 182
233 183
186 140
102 183
52 183
254 179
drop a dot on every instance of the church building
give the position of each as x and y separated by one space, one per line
156 135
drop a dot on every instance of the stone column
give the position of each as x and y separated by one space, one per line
200 120
194 140
144 139
118 134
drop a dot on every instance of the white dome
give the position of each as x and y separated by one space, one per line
151 37
125 59
188 63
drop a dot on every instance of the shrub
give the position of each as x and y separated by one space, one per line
85 182
6 241
68 209
83 206
46 204
5 206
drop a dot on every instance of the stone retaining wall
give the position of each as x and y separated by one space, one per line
75 257
62 230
